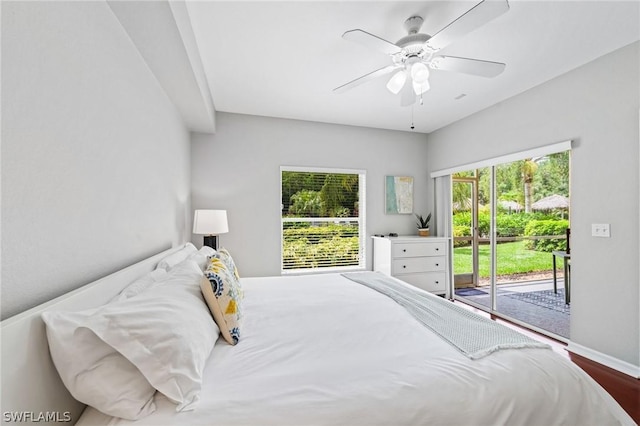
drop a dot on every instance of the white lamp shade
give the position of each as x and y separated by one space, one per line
419 73
210 222
397 82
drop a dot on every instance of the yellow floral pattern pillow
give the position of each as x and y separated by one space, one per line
224 255
221 289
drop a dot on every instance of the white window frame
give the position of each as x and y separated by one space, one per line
361 221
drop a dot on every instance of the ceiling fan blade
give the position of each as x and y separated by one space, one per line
365 78
369 40
474 18
407 95
467 66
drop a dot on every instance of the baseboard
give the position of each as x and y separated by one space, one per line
604 359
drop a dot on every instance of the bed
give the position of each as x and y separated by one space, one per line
319 349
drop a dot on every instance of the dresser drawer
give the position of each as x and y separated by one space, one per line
431 281
422 262
418 264
419 249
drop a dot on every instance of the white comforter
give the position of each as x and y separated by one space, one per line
324 350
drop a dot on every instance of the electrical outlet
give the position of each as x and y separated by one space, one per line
601 230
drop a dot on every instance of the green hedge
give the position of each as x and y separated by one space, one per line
461 231
300 253
509 225
321 245
317 234
545 228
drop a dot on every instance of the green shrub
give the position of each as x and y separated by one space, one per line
300 253
317 245
508 224
539 232
306 203
317 234
464 219
461 231
511 225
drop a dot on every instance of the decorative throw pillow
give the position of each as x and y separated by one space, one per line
222 292
224 255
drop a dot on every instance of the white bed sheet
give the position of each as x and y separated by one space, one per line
324 350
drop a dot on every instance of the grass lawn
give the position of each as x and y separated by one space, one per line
512 258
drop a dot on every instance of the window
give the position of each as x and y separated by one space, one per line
322 219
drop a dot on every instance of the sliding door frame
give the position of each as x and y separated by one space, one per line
492 163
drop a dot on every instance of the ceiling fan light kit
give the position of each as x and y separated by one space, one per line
396 82
413 55
419 73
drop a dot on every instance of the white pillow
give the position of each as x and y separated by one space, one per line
142 283
177 257
167 332
93 371
208 251
202 256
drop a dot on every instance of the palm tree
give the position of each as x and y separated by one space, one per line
461 196
529 167
337 190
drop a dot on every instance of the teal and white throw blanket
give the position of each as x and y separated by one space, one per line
471 334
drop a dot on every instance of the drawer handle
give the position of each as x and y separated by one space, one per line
404 250
437 282
404 266
437 264
437 249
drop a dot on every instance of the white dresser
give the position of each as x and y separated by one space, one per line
419 261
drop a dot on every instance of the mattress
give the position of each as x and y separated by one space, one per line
325 350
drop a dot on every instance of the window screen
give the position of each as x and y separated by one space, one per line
322 219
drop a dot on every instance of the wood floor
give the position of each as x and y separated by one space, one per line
624 389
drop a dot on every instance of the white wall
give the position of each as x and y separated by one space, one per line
95 159
597 106
238 169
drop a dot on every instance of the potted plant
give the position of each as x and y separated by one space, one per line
423 225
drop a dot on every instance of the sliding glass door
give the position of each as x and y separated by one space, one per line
510 222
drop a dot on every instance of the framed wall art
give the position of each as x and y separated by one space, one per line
398 194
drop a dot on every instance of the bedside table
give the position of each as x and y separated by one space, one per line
419 261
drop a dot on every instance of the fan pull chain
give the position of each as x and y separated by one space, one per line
412 126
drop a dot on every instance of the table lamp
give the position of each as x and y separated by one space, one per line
211 223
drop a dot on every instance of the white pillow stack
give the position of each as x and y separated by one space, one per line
175 258
94 372
156 335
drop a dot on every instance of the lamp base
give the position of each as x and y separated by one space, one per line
211 241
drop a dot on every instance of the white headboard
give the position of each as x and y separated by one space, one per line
30 382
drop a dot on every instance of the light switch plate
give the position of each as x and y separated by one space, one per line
601 230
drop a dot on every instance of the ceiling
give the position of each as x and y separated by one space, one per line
283 59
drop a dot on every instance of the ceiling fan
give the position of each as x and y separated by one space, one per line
414 54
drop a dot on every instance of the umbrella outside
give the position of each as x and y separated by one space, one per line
552 202
511 206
